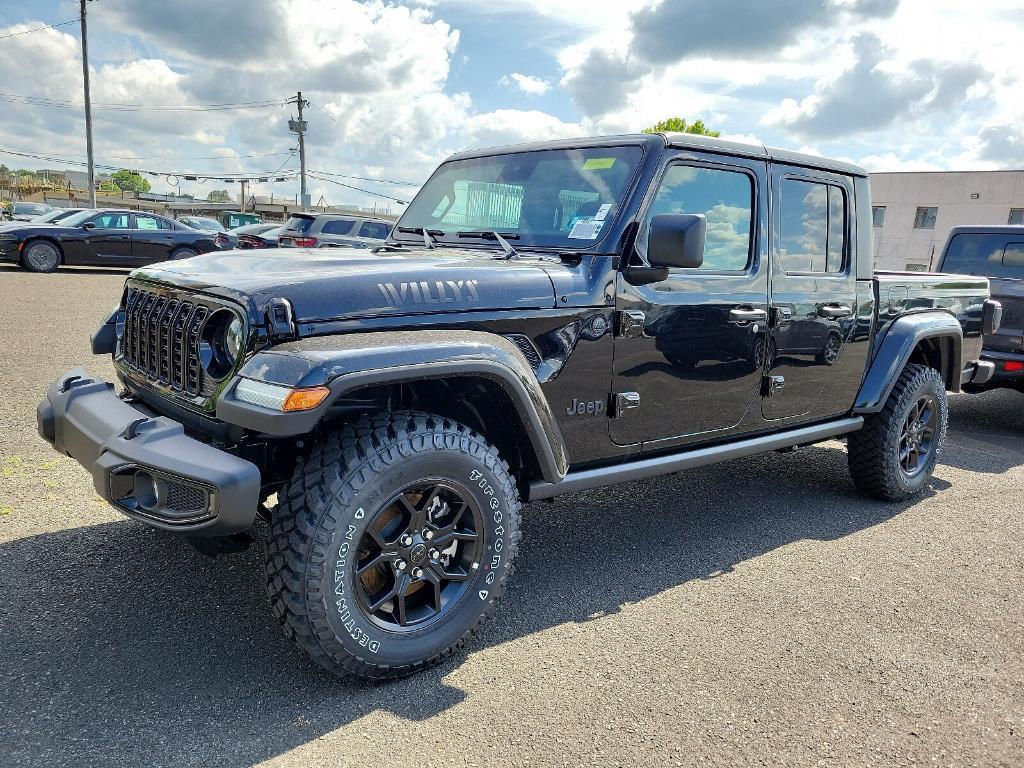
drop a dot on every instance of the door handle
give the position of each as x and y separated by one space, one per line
834 311
747 315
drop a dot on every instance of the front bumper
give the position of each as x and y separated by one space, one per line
144 464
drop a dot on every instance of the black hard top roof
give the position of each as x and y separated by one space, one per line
679 141
984 229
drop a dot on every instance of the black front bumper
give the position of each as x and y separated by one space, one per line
144 464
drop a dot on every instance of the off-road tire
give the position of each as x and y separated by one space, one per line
48 259
328 504
183 253
873 452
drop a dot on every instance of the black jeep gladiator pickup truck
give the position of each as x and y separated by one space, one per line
544 318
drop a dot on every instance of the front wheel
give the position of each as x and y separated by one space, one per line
41 256
391 544
895 454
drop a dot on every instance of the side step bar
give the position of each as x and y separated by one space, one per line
663 465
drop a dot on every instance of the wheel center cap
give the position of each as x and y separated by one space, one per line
418 553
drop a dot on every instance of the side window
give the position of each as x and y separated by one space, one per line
726 198
812 233
337 226
111 221
1013 255
374 229
147 222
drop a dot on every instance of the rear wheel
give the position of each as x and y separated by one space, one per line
183 253
41 256
391 544
895 454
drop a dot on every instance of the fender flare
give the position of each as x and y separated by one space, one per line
354 361
894 351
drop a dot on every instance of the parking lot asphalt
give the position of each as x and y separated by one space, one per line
758 612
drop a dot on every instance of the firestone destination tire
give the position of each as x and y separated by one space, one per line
894 455
391 544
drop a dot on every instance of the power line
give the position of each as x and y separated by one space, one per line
368 178
359 189
189 175
185 157
40 29
44 101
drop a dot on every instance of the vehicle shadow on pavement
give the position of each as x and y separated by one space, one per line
986 432
122 645
120 272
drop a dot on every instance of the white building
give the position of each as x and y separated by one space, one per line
914 211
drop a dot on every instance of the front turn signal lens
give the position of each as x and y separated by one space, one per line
305 399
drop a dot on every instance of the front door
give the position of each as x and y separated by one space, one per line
689 351
813 288
109 240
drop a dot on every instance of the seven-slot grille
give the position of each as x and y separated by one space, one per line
161 339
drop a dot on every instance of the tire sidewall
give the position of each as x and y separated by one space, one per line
928 383
27 262
183 253
349 518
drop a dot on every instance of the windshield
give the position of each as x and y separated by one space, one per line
77 219
30 208
549 198
986 255
52 216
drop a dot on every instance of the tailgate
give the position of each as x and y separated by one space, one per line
1010 336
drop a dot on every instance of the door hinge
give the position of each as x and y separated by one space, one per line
629 323
772 385
625 402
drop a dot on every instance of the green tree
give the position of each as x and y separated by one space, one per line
218 196
679 125
130 181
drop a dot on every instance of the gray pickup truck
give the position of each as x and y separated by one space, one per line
543 319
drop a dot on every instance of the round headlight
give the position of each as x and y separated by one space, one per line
221 343
233 339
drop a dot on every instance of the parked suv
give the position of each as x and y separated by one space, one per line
324 230
535 326
998 254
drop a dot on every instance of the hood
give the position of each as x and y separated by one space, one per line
340 283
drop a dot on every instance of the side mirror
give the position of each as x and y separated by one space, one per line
89 225
676 240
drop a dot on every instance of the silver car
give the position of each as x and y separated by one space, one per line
330 230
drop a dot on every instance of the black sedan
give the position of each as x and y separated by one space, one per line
108 237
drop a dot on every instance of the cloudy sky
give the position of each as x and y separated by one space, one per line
395 87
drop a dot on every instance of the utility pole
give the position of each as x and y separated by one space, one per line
299 126
241 196
88 111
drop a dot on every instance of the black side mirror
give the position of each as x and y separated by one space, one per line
676 240
89 225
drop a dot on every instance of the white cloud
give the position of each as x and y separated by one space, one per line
528 84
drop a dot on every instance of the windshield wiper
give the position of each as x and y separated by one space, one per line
510 252
429 235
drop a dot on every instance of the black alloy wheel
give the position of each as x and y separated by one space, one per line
917 438
416 556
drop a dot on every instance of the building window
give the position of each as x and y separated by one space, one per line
878 215
925 218
1016 216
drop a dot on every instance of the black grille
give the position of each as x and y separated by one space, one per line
184 499
161 339
526 347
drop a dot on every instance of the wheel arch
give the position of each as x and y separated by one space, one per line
477 378
934 339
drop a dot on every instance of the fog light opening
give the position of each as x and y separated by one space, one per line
150 492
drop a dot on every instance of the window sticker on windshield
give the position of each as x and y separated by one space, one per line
586 229
599 164
602 212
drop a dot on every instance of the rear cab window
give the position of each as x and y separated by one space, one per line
985 255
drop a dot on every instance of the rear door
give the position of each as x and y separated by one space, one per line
813 288
152 239
109 241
